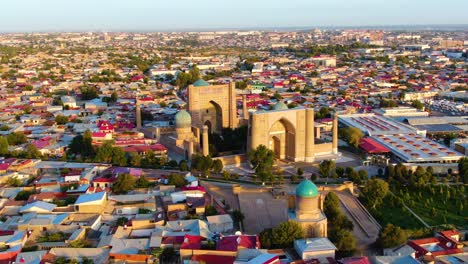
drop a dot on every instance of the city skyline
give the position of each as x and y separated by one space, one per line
144 15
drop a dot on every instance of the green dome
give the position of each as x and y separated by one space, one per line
201 82
307 189
183 119
280 106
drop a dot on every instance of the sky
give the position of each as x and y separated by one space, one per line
159 15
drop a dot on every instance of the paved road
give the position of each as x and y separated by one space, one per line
362 221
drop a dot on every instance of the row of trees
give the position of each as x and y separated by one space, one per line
82 149
351 135
184 79
282 236
206 164
339 226
126 182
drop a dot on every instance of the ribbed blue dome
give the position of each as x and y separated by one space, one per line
183 119
280 106
201 82
307 189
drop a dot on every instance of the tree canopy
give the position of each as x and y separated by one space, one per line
177 180
374 191
123 184
351 135
392 236
262 159
282 236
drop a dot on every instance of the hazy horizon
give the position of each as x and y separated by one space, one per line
203 15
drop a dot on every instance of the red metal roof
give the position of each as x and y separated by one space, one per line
213 259
371 146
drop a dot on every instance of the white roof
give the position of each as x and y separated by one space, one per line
38 206
219 219
415 148
375 125
313 245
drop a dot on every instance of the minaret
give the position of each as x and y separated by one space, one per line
245 111
206 150
309 140
138 114
335 134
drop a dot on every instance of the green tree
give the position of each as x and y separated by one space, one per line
262 160
14 182
142 182
79 244
374 191
61 120
344 240
82 145
119 156
121 221
32 152
217 166
16 138
351 135
135 159
104 153
23 195
177 180
283 236
391 236
237 216
326 167
114 97
417 104
300 172
463 169
123 184
3 146
331 205
88 93
363 175
202 163
210 210
183 165
265 238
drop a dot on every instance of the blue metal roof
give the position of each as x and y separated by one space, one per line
91 197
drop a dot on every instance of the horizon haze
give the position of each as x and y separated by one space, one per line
146 15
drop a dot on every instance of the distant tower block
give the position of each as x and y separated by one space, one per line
206 150
138 114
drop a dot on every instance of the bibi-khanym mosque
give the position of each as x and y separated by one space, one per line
292 134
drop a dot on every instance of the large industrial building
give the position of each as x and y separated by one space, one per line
407 144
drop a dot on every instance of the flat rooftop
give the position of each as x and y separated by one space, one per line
415 148
375 125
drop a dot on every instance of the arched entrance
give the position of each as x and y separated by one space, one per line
276 147
214 117
282 139
208 124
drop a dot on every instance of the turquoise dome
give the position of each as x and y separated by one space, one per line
183 119
280 106
201 82
307 189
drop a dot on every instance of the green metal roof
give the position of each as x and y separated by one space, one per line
307 189
280 106
201 83
183 119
